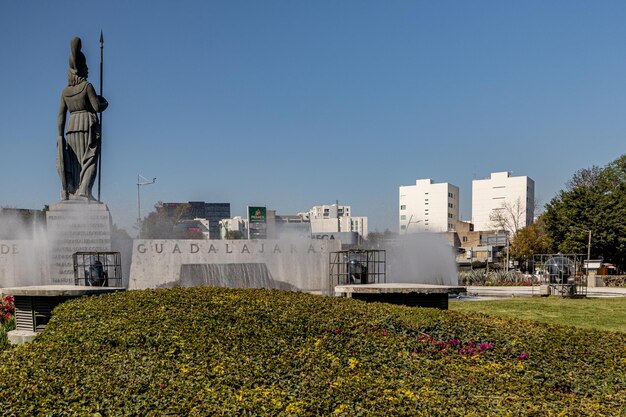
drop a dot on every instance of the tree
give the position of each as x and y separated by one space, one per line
377 238
510 216
233 235
163 223
594 200
530 240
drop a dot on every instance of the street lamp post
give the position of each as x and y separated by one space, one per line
409 224
588 244
141 181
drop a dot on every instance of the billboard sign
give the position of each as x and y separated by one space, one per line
257 222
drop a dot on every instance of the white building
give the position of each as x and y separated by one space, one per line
334 218
428 207
503 201
327 211
236 225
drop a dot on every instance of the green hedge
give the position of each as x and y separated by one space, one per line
210 351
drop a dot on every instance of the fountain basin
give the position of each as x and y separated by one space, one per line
413 295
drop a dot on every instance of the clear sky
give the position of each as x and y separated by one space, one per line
290 104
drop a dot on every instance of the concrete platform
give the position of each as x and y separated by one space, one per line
34 305
59 290
415 295
17 337
528 291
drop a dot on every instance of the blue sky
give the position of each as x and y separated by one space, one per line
290 104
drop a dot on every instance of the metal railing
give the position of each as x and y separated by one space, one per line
97 269
356 266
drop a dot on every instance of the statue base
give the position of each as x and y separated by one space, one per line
75 226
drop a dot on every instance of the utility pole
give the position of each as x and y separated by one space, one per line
141 181
588 251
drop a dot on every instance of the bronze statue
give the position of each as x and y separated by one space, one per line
78 142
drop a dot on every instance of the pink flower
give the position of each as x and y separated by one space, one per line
523 356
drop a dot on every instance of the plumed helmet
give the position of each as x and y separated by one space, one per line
78 63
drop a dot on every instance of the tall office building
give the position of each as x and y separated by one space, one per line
503 196
428 207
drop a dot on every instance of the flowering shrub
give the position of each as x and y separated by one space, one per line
215 351
470 348
7 319
7 309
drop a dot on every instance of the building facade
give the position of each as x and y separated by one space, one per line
194 210
235 227
333 218
503 202
428 207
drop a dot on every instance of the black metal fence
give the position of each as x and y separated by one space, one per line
562 274
98 269
357 266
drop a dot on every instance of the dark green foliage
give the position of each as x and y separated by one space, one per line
163 224
595 199
211 351
5 327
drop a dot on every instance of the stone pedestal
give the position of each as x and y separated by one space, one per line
75 226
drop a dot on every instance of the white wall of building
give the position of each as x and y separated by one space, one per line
333 219
428 207
236 224
498 191
328 211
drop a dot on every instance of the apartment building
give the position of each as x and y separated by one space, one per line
333 218
503 201
428 207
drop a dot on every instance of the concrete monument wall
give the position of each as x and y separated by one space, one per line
23 262
300 264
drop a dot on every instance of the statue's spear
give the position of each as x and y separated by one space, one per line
101 93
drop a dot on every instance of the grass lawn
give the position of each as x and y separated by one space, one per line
590 313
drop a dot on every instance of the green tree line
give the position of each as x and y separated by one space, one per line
593 201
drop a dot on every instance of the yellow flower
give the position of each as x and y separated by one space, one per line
352 363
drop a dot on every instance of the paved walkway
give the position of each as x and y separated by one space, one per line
595 292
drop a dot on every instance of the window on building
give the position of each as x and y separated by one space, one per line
403 227
403 217
464 239
403 207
